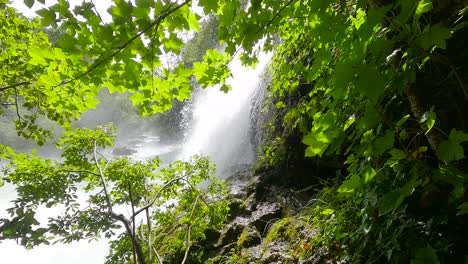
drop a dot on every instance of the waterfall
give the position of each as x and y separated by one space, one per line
220 126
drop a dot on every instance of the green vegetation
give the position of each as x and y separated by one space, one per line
375 87
168 210
380 87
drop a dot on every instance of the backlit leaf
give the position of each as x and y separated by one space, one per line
29 3
350 184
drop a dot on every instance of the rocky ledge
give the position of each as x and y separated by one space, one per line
254 231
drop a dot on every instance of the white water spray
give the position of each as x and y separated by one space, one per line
221 121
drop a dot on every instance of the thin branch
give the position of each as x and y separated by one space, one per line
264 26
189 228
119 217
156 196
95 10
148 219
13 86
133 222
16 105
103 180
276 15
81 171
162 188
157 254
119 49
197 190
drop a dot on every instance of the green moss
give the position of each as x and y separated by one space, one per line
242 238
234 257
287 229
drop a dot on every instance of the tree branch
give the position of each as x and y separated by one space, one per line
13 86
119 217
148 218
119 49
103 180
162 188
276 15
156 196
17 106
189 228
81 171
133 223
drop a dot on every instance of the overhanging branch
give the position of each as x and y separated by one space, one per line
119 49
13 86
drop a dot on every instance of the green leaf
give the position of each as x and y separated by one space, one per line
424 6
29 3
144 3
436 35
457 136
370 82
389 202
137 98
280 104
369 174
463 209
425 255
350 184
140 12
402 120
317 143
225 88
209 5
344 74
371 118
48 16
397 154
327 211
193 21
450 151
431 119
384 143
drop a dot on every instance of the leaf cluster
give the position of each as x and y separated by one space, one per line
168 210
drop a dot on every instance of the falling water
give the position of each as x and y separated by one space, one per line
221 121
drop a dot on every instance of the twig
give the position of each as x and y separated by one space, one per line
148 219
189 228
119 49
97 13
103 181
133 222
13 86
276 15
162 188
157 254
119 217
80 171
17 106
156 197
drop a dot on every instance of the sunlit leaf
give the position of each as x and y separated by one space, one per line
350 184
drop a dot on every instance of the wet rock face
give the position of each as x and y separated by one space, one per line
255 207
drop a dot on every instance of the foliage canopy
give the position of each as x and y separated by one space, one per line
378 82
